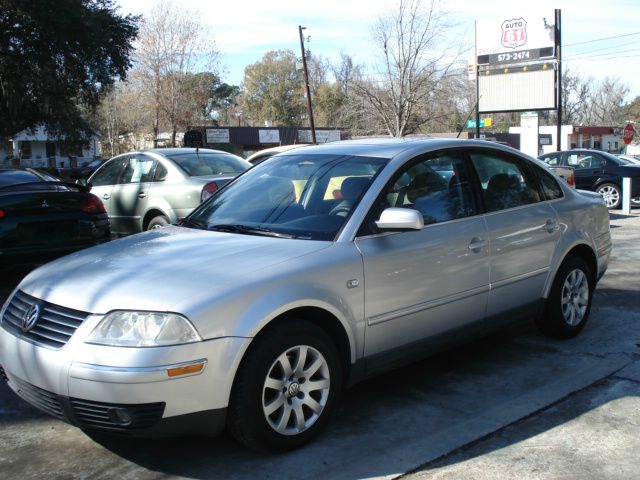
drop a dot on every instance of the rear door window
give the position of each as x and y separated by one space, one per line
506 181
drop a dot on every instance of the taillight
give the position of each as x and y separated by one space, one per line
571 180
92 204
1 213
208 190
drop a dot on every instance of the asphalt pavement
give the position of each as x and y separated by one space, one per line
515 405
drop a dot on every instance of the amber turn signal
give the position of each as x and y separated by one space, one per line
187 369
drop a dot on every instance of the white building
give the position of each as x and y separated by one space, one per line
537 140
37 148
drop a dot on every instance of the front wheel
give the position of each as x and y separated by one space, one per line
286 388
158 222
569 302
612 195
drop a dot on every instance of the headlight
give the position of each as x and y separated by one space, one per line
143 329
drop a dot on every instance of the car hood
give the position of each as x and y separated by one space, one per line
159 269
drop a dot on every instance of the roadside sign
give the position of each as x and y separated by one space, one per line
628 133
473 72
484 122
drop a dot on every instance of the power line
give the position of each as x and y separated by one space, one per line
602 59
586 56
601 39
611 47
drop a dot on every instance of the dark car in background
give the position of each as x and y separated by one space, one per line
153 188
84 171
39 215
600 172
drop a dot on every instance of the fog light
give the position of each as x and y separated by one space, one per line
120 416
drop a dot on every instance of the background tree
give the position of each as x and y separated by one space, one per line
57 57
173 44
273 90
575 96
413 61
607 102
215 100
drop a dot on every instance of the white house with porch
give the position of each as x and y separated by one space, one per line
38 148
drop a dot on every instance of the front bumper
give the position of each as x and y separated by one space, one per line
145 420
122 389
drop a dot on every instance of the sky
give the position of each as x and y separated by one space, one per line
599 38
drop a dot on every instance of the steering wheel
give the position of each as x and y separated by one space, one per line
340 210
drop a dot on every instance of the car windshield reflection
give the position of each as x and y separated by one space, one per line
300 196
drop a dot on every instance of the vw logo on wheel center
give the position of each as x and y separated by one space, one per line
294 389
30 318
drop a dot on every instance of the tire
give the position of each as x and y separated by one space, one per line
569 303
158 222
612 195
275 406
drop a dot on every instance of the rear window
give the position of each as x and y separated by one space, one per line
206 163
12 177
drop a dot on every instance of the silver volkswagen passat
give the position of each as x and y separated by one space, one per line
297 279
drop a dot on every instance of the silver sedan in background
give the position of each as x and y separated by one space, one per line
300 277
153 188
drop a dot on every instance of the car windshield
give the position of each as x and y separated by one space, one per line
94 164
300 196
197 164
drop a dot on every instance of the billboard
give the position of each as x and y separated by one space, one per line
520 37
516 62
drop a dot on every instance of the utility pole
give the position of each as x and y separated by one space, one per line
306 83
559 77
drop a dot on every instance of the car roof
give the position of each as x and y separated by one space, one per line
178 150
386 147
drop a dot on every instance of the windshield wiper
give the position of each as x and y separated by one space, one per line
243 229
189 222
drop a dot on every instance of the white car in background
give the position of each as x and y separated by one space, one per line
262 155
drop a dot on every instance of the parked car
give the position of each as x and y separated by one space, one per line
567 173
264 303
600 172
81 172
151 189
41 216
262 155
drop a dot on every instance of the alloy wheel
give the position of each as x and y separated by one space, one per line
296 390
610 194
575 297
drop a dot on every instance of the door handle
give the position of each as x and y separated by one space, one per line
551 225
142 195
477 244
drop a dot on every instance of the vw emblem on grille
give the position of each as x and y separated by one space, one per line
30 318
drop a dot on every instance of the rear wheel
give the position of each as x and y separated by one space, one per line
286 388
612 195
569 302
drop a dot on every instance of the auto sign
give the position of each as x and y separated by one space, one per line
514 32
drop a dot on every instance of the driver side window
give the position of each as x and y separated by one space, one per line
435 186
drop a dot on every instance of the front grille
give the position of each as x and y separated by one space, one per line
46 401
105 415
54 327
112 417
3 374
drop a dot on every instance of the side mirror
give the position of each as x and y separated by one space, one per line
400 219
